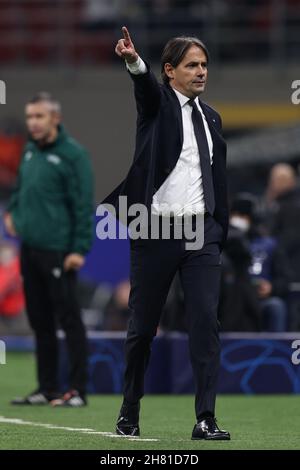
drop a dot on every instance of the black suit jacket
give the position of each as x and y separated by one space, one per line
159 141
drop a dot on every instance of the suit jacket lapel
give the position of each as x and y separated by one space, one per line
177 109
215 135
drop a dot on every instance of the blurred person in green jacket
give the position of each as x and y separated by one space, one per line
51 211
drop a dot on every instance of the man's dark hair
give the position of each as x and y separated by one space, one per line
44 96
175 50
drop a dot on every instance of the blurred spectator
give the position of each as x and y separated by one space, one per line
255 285
282 180
239 305
283 208
117 311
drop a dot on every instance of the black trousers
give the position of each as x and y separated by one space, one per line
153 266
51 300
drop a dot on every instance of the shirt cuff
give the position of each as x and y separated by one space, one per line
137 68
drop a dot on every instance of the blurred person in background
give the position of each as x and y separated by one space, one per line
260 273
239 305
282 203
51 211
282 183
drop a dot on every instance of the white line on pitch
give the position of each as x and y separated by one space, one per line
67 428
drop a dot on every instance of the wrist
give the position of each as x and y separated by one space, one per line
132 60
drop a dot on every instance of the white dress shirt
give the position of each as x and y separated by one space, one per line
182 192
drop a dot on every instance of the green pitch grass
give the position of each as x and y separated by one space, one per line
256 422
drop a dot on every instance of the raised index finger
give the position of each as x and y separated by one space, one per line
126 34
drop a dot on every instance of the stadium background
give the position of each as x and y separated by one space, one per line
67 48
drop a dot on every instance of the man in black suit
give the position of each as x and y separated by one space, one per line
179 161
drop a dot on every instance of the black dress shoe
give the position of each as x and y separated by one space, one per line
209 430
128 420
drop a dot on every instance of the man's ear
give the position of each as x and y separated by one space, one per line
56 117
169 70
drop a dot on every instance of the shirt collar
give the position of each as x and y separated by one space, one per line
182 98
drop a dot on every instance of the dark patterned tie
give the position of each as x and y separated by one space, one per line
207 178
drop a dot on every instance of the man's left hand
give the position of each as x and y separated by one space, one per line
73 261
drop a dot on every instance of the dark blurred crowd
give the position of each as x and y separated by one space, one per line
258 26
260 288
83 31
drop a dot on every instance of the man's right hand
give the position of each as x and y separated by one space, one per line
9 225
125 48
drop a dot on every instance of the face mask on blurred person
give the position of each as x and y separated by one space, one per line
240 223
